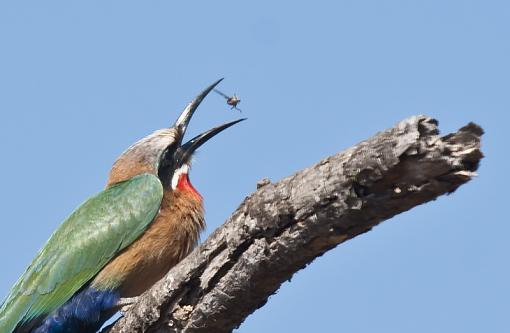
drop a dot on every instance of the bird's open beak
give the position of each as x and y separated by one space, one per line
187 149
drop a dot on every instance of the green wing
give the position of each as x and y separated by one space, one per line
87 240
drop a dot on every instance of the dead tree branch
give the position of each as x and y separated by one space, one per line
282 227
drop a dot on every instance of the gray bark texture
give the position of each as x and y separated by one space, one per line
282 227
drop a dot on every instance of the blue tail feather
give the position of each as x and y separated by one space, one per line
85 312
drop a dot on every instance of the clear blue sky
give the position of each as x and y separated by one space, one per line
81 81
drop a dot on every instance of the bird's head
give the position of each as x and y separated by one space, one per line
163 152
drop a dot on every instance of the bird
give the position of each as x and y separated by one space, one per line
231 100
119 242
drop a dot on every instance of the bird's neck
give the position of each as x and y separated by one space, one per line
184 185
181 182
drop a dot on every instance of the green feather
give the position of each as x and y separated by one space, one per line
87 240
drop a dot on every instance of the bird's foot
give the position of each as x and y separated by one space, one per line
126 303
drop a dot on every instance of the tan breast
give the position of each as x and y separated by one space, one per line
170 237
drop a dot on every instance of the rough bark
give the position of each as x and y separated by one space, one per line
284 226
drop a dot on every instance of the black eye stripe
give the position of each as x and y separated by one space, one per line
170 160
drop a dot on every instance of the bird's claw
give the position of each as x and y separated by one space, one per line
126 303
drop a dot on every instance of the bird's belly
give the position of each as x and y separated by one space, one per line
170 237
147 272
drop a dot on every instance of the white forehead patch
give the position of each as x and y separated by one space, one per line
150 148
175 178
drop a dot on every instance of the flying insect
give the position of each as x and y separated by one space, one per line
231 100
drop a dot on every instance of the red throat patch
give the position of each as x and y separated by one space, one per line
185 185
